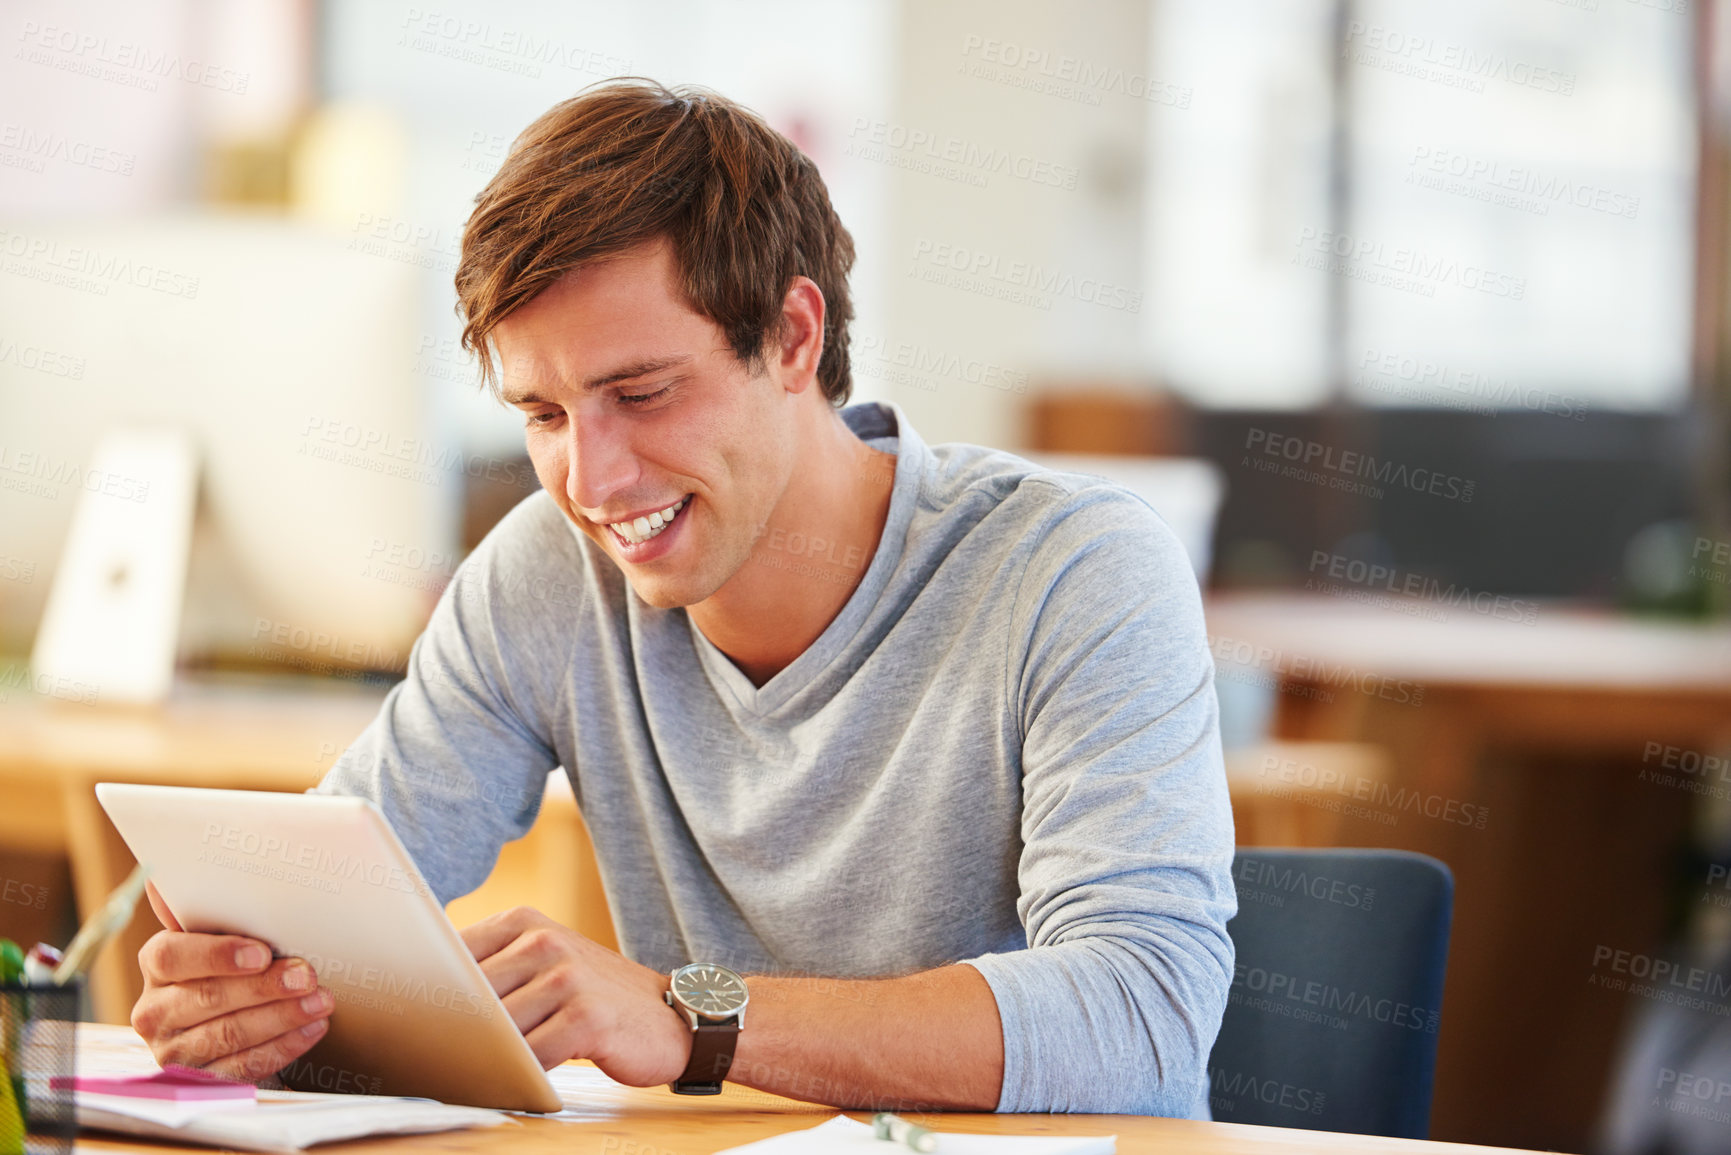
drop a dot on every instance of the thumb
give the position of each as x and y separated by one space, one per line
163 914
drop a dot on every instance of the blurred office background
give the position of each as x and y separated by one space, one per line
1411 315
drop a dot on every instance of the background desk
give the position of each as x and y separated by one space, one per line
1544 726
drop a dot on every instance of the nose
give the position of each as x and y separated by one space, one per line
603 462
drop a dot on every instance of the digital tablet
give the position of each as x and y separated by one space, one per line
324 878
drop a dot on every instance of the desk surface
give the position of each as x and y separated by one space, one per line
654 1121
280 733
1564 647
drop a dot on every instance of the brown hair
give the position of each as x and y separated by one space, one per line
630 161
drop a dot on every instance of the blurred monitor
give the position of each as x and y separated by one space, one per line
288 351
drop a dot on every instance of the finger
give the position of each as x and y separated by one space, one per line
173 956
272 1055
537 951
559 1037
241 1031
497 931
510 969
537 1001
163 914
187 1004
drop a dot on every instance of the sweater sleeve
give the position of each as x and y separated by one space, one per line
1125 868
458 755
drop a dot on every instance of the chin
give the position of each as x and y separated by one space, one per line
671 591
665 595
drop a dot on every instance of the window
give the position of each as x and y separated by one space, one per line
1514 220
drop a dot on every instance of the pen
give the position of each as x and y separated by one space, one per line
101 926
899 1130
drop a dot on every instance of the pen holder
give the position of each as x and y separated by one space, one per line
38 1040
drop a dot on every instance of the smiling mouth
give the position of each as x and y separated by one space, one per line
643 528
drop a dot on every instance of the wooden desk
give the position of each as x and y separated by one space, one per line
653 1121
1544 727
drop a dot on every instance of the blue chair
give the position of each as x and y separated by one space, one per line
1332 1019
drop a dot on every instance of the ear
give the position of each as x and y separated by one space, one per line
800 340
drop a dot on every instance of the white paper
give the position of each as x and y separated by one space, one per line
282 1121
167 1112
113 1052
589 1095
844 1134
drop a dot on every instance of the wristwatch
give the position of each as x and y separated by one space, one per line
712 998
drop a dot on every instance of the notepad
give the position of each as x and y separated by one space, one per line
844 1134
180 1084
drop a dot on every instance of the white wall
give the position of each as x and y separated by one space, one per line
1034 118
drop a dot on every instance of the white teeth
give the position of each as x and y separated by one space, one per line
640 530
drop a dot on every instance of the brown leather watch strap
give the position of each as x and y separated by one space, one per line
711 1055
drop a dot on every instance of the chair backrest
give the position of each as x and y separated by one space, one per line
1332 1019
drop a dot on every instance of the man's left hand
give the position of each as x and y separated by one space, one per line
574 999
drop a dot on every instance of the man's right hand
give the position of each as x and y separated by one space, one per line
219 1001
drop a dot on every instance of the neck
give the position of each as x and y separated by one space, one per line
808 557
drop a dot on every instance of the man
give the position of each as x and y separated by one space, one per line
929 722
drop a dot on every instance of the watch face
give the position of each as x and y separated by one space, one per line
709 990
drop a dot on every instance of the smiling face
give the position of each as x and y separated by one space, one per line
635 408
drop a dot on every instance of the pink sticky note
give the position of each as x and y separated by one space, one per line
179 1084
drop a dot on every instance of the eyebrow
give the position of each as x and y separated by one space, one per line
624 373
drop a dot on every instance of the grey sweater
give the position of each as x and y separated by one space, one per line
1004 751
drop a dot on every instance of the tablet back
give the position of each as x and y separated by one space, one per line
324 878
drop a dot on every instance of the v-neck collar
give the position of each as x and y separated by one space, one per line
869 421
